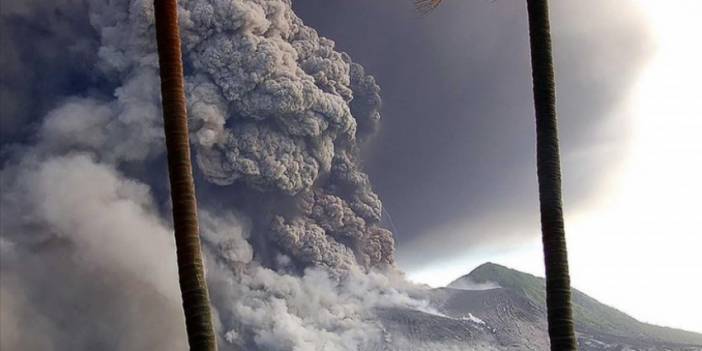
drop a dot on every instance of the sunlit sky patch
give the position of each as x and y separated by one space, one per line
637 244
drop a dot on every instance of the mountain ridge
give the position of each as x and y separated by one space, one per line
495 308
591 315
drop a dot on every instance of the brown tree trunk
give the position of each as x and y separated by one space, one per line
560 314
193 287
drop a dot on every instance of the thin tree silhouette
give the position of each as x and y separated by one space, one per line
558 292
193 287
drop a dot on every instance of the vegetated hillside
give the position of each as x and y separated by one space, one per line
591 316
495 308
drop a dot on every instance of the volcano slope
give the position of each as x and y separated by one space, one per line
497 308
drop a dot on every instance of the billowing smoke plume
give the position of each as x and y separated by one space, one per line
270 103
271 108
295 254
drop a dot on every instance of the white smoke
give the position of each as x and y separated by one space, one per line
84 253
466 283
87 251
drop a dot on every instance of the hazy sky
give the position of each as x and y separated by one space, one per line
454 161
455 165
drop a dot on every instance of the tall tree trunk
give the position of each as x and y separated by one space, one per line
560 314
193 287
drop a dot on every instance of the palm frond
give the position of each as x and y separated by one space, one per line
426 6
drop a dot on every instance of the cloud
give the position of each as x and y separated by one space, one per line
466 283
297 258
275 112
34 76
84 252
454 159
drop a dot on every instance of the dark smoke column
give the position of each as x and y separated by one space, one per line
278 117
193 286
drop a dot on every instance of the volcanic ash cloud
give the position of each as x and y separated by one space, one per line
296 257
276 108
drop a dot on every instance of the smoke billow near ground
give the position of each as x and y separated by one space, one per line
295 254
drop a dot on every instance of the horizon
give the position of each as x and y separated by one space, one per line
346 155
441 283
672 69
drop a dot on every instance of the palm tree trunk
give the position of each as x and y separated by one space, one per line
560 315
193 287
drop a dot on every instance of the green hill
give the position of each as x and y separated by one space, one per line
590 315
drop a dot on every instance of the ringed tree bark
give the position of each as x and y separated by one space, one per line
548 164
193 287
558 292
